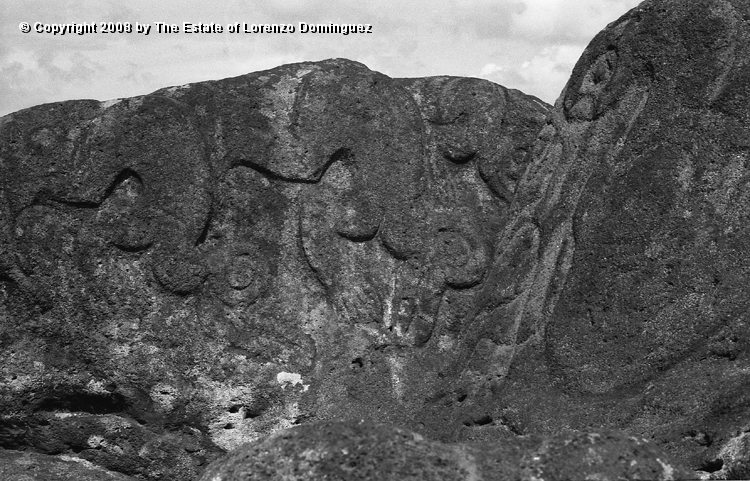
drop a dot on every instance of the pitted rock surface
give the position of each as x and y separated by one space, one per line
20 466
191 270
627 247
359 450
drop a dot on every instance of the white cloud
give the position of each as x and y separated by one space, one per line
538 19
550 67
492 69
489 38
542 74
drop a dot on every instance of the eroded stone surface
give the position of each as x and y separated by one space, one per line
211 263
360 450
19 466
191 270
624 268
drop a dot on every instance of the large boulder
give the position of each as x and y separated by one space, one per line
190 270
620 288
194 269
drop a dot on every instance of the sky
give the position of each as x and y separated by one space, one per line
530 45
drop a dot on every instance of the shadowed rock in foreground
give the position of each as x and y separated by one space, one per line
18 466
191 270
365 451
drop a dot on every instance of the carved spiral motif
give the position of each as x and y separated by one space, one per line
240 274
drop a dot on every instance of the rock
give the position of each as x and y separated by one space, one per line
352 451
24 466
620 287
336 450
191 270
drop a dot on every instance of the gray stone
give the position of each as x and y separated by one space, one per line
20 466
631 299
209 264
191 270
359 450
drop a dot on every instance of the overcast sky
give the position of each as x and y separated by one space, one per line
529 45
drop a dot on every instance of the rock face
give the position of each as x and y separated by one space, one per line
632 311
194 269
367 451
18 466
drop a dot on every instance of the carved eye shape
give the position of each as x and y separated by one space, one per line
125 218
358 219
179 273
587 104
460 252
458 153
602 70
241 272
466 105
126 189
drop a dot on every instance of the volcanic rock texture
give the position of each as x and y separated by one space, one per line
204 266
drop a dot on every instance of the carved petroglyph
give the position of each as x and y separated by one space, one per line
381 260
122 212
529 271
281 219
207 264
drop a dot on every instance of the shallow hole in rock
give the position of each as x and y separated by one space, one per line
480 421
712 466
234 408
358 362
229 426
461 397
204 232
511 426
251 414
484 420
85 402
700 437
